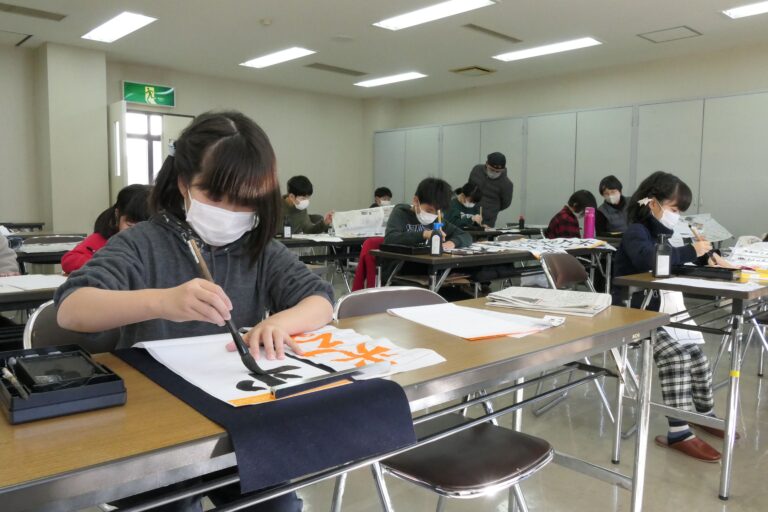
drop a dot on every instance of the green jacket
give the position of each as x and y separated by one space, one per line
300 221
461 216
404 228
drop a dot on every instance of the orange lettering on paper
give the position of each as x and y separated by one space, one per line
325 339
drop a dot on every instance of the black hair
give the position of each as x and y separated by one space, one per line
300 186
228 156
470 191
661 186
610 182
132 203
582 199
382 192
434 192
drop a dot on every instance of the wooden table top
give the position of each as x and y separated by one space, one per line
153 419
647 281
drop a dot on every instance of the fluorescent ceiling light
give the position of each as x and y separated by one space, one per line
432 13
119 26
390 79
278 57
747 10
565 46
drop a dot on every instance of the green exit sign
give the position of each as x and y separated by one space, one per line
149 94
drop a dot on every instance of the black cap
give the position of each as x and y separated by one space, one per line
497 160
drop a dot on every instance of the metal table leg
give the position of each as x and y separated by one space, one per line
621 363
731 415
643 416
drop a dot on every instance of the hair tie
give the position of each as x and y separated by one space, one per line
644 201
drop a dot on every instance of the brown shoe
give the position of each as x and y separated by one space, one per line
693 447
717 432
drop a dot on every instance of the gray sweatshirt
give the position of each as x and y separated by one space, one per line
154 254
7 257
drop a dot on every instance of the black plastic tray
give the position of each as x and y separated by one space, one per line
104 390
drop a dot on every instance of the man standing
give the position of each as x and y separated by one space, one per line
492 179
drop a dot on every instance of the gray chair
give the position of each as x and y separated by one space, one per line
509 237
42 330
564 271
378 300
471 463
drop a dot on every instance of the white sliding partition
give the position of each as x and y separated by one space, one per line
389 164
734 166
551 161
669 139
461 152
603 147
506 136
422 157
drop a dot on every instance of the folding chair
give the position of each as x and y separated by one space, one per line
42 330
471 463
565 271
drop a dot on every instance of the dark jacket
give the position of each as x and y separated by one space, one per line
461 216
300 221
404 228
154 254
637 251
497 194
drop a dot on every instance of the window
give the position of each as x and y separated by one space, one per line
144 147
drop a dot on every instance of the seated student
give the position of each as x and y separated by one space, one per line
295 204
412 224
684 372
465 210
566 223
611 216
130 208
8 264
220 188
382 196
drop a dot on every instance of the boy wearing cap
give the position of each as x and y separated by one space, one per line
496 187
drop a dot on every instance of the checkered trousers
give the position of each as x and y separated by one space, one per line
684 373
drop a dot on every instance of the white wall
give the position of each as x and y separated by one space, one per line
19 190
320 136
77 136
727 72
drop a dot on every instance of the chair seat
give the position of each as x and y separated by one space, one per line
470 461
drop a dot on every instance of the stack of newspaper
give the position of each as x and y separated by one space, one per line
564 302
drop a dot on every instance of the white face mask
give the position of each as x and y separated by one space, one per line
384 202
426 218
303 204
469 204
669 219
613 198
218 226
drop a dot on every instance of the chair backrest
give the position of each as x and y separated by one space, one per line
564 271
42 330
509 237
53 239
379 300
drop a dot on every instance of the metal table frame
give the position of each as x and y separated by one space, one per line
739 301
102 483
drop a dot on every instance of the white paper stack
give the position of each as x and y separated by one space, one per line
564 302
362 223
472 323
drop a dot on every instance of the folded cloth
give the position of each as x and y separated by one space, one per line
278 441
